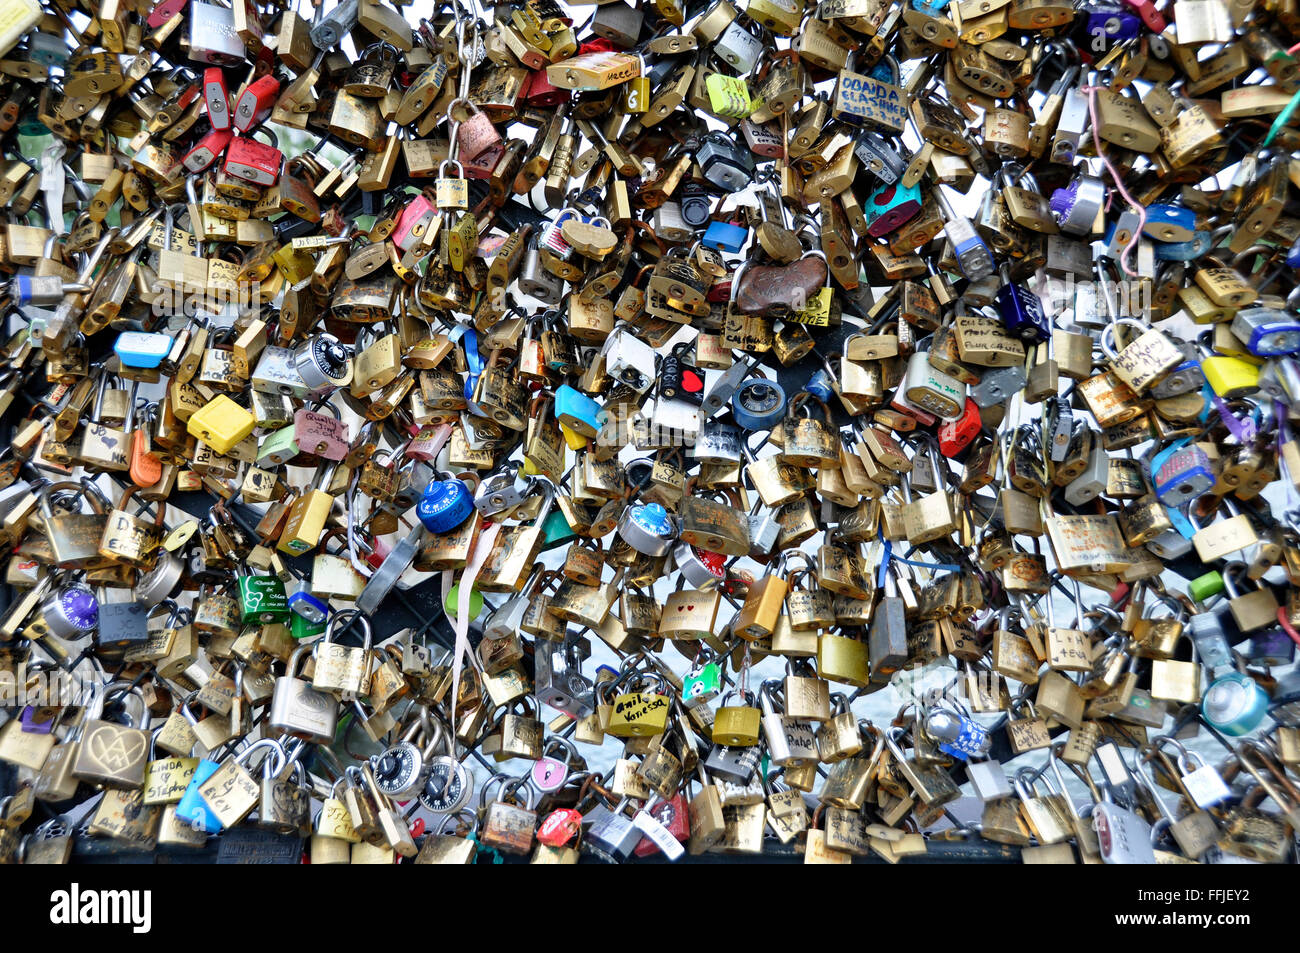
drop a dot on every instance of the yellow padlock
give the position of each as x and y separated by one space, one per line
221 424
638 713
737 726
1230 377
575 440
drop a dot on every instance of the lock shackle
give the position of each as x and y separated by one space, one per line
353 616
440 828
115 690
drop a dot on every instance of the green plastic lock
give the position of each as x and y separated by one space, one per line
453 601
728 96
1202 587
301 628
262 599
556 531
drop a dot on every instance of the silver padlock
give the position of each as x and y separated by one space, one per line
629 360
499 491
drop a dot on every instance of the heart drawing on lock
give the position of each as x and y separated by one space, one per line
691 382
114 749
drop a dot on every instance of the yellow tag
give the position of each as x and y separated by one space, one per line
818 311
728 96
180 535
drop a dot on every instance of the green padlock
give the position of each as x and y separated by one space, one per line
262 599
728 96
1202 587
453 601
302 628
701 685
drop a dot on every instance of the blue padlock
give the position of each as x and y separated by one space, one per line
303 602
139 349
1169 223
821 385
1189 250
1267 332
445 505
725 237
577 411
958 735
1181 473
758 404
1021 311
192 809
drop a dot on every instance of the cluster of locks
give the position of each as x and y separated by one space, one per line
572 307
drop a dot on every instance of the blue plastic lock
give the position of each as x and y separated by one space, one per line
725 237
1169 223
445 505
140 349
577 411
304 603
192 809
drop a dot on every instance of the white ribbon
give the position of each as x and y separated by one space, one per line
482 547
53 182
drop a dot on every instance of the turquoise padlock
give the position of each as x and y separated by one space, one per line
890 207
577 411
556 531
1235 704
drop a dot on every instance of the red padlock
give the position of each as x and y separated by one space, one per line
217 97
674 814
164 11
559 827
256 102
253 161
956 435
542 93
206 150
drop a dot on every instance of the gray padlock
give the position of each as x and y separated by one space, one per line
997 384
499 491
1091 483
724 163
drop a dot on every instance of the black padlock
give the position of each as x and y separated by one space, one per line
679 380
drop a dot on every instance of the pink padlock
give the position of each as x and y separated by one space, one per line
413 221
426 444
476 135
321 434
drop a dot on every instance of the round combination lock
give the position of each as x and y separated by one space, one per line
323 363
448 786
400 770
758 405
445 505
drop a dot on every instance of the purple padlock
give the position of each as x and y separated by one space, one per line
32 725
